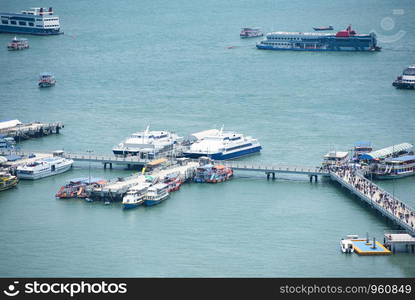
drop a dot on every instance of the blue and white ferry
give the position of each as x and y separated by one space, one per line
38 21
223 145
344 40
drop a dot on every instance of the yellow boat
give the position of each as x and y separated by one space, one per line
7 181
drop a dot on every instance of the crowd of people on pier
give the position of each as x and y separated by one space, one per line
376 194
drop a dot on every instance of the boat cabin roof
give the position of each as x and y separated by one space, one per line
336 154
400 159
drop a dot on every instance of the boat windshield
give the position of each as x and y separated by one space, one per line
409 71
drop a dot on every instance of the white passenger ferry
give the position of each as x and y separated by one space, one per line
222 145
44 167
156 194
38 21
147 144
135 195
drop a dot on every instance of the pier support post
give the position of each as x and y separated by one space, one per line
128 166
105 165
110 166
268 174
273 176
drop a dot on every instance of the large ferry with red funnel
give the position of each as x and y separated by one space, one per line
344 40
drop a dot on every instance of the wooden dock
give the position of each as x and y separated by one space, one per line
32 130
384 202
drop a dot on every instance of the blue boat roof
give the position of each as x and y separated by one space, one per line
46 74
401 158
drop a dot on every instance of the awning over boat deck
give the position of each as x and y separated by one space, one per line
336 154
201 134
385 152
401 158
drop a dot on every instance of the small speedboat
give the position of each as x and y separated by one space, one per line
346 245
18 44
46 80
323 28
406 80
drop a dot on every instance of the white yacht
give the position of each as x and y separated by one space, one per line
221 145
135 196
406 80
44 167
147 144
346 245
156 194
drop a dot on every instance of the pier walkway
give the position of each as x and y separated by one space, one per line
30 130
379 199
271 169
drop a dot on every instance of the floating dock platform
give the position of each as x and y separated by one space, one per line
362 247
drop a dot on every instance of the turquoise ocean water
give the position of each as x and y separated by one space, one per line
126 64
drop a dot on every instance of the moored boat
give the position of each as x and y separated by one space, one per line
335 158
7 181
346 245
18 44
212 173
395 167
406 80
44 167
76 188
147 144
174 182
135 196
223 145
46 80
156 194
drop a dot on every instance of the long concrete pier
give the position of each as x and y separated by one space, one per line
384 202
31 130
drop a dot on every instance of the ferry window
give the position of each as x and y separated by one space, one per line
31 24
22 23
13 22
38 19
4 22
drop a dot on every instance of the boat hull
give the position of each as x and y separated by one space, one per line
9 186
350 49
154 202
25 30
397 176
404 85
225 156
44 173
131 205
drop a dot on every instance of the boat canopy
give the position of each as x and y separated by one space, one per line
385 152
400 158
9 124
336 154
45 74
